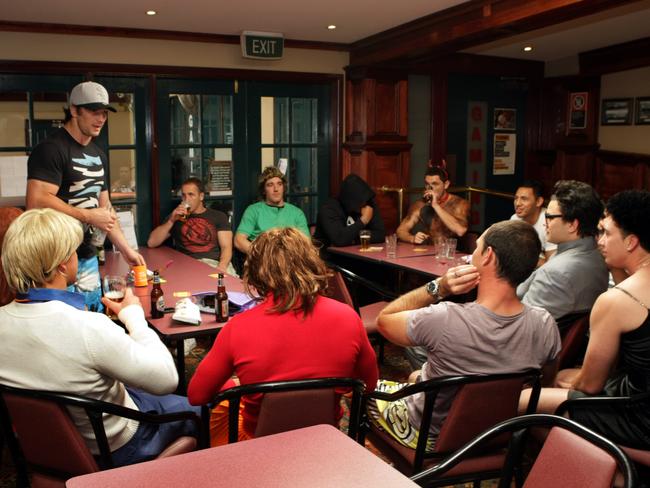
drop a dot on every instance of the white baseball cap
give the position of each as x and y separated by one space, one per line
90 95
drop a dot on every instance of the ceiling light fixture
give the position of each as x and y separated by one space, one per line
331 27
528 48
151 12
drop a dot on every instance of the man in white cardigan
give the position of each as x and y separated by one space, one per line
50 342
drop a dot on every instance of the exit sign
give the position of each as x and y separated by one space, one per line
262 45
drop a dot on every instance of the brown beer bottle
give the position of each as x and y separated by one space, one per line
157 298
221 301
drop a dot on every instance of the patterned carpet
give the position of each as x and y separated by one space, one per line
395 367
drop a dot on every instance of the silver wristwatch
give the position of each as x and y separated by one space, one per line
433 288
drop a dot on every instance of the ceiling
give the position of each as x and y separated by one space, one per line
304 20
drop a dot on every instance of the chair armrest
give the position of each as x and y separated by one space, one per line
596 401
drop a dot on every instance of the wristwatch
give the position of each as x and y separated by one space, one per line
433 288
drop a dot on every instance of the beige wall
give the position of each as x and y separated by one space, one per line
96 49
628 138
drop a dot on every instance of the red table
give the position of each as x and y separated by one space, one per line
419 259
184 274
317 457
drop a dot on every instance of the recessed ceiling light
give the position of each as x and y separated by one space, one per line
331 27
151 12
528 48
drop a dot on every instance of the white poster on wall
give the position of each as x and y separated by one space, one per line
505 149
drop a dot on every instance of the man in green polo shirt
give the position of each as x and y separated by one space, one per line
272 211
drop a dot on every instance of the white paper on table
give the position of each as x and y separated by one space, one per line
128 228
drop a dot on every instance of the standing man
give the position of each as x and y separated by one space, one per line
201 232
495 334
574 277
67 172
528 207
437 214
340 219
272 211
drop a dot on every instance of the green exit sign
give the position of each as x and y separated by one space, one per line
262 45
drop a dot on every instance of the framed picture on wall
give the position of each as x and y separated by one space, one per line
505 118
578 110
616 111
642 111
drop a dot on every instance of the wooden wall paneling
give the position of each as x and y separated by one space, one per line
618 171
438 140
376 146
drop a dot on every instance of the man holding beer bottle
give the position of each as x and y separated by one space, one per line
67 172
200 232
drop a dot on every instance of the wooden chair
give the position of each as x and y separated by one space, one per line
573 331
479 403
293 404
339 290
42 436
572 456
639 456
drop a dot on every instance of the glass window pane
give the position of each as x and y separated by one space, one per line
217 119
48 114
271 156
14 112
303 170
308 204
184 116
121 123
122 173
128 208
185 163
275 120
217 171
304 123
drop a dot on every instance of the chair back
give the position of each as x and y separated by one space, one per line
337 289
41 433
477 407
294 404
567 459
289 410
573 330
572 456
49 440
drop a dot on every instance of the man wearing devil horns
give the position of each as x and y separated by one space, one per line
437 213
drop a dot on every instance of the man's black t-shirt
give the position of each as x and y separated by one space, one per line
79 172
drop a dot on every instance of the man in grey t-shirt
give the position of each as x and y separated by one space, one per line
495 334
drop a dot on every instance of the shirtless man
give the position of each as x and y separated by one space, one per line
437 214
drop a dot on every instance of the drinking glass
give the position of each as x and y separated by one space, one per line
391 246
114 289
451 248
364 238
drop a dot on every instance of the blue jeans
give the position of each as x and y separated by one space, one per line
151 439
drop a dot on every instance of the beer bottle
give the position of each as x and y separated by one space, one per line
157 298
221 301
101 255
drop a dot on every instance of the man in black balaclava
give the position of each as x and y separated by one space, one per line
340 219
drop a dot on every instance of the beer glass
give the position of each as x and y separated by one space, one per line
364 238
114 289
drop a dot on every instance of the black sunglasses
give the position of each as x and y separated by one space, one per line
552 216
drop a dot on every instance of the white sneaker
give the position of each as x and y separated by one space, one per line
187 311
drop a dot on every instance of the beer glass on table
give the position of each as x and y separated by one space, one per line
114 289
364 238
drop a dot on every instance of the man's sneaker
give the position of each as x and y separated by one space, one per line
187 311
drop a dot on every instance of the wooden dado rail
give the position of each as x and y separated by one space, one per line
468 190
